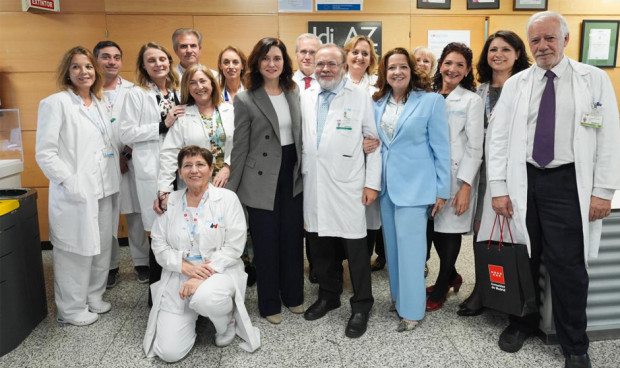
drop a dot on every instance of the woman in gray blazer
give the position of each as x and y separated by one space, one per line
266 175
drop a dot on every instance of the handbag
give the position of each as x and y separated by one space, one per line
503 272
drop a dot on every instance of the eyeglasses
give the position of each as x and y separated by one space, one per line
198 166
330 65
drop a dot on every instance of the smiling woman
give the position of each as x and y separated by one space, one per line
77 150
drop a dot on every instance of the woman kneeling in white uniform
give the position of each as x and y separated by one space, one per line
198 242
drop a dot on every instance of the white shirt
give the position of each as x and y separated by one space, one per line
299 76
284 118
564 113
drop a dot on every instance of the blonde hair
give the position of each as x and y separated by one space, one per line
372 67
426 52
142 76
63 80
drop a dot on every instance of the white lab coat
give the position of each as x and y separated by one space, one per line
69 150
190 130
466 123
222 245
335 175
128 195
373 212
139 129
597 151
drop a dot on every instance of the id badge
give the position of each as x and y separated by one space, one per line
193 256
108 151
595 118
345 122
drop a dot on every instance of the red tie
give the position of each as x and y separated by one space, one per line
307 80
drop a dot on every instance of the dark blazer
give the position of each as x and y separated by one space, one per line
257 154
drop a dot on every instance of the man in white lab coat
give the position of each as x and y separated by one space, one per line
339 182
110 59
554 165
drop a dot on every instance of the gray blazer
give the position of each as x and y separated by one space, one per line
257 153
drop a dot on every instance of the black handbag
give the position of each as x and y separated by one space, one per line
503 272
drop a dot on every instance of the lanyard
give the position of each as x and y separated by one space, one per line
488 104
94 115
192 221
226 99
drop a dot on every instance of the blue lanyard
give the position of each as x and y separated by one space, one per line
226 99
191 220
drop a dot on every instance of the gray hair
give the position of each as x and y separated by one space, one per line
547 14
333 45
306 35
182 31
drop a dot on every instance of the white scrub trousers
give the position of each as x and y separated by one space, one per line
81 280
138 243
176 333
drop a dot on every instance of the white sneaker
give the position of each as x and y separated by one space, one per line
99 307
83 319
227 337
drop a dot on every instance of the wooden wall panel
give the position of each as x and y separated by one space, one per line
24 91
192 6
395 27
71 6
420 25
241 31
133 31
32 175
44 38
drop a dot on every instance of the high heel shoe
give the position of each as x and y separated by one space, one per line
455 284
433 306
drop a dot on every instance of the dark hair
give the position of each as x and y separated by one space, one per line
63 80
103 44
244 63
186 97
485 73
468 81
253 79
191 151
419 81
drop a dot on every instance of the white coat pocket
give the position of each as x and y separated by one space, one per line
71 187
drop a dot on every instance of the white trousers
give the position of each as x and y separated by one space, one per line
80 280
176 333
138 243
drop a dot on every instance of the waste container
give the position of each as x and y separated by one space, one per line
23 302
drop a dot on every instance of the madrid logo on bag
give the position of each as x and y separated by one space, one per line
496 274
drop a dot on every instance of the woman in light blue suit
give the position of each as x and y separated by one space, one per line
413 129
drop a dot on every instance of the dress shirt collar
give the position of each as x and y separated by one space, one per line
559 70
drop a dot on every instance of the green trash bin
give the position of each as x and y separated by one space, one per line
23 303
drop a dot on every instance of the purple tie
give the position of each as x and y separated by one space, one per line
544 138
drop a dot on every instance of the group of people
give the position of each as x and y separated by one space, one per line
350 160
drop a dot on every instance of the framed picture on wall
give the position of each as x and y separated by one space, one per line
599 43
482 4
530 5
433 4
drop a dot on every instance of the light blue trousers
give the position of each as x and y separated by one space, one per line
404 232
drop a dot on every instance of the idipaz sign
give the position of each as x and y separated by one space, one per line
341 32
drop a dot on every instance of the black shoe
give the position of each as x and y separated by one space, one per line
112 278
142 274
320 309
464 311
357 325
511 340
313 278
377 265
577 361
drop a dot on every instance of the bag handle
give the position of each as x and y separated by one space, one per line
501 231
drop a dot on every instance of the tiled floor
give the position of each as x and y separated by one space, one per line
442 340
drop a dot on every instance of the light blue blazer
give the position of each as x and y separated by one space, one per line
416 163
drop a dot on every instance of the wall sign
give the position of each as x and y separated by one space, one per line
341 32
47 5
